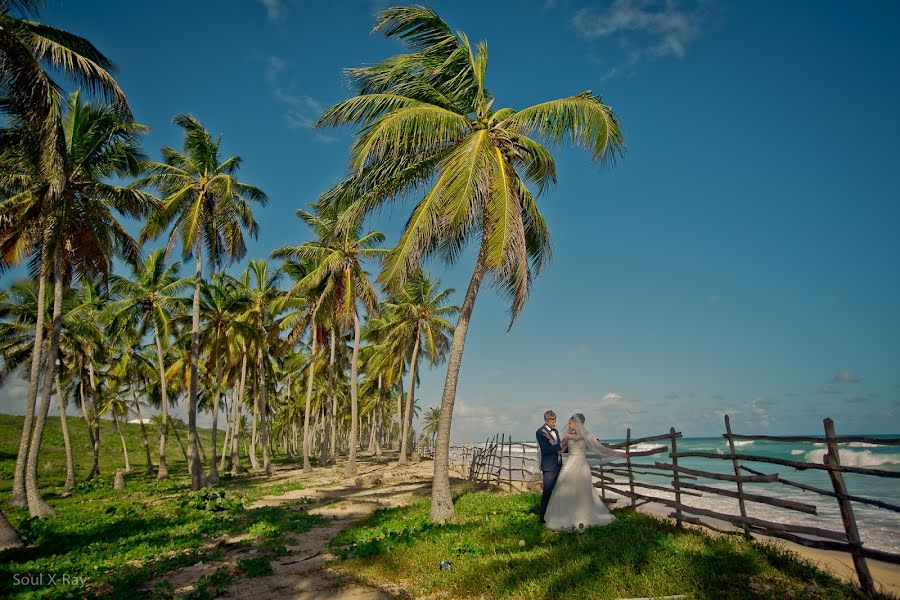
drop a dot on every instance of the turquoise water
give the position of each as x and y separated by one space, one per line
879 528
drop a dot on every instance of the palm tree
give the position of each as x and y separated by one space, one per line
417 318
206 206
336 258
80 232
32 99
427 117
430 422
148 301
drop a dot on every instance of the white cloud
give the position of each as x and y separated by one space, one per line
646 30
845 377
275 9
302 110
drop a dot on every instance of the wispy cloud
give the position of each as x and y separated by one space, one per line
672 396
829 389
845 377
578 352
644 30
302 110
276 10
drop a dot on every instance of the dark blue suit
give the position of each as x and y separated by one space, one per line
550 465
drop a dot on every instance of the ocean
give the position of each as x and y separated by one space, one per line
879 528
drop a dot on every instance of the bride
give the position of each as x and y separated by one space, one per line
575 503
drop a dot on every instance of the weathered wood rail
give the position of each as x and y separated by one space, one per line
507 464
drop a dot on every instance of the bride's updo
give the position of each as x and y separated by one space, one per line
579 416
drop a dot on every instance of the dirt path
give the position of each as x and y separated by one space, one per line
303 574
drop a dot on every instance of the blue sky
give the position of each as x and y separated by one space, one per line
741 258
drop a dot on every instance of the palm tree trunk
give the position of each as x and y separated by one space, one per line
331 408
95 467
163 472
122 437
254 423
197 476
217 397
229 431
441 500
137 409
19 497
184 452
8 536
354 398
309 385
263 402
236 466
411 390
37 507
70 460
95 415
400 408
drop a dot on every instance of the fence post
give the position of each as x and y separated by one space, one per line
628 461
833 459
500 466
602 484
737 474
509 457
675 480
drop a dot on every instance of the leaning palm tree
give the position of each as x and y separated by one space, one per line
418 318
336 257
205 206
430 422
147 301
80 231
428 122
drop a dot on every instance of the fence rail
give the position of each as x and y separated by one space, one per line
505 463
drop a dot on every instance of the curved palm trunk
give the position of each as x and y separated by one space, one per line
19 497
184 451
70 461
254 423
263 401
197 476
95 468
354 399
37 507
236 466
8 536
213 469
163 472
137 409
309 386
229 431
441 500
95 417
410 398
122 437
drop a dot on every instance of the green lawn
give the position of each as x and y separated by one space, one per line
499 550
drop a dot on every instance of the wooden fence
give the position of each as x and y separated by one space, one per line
505 463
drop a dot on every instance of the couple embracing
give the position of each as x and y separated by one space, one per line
570 500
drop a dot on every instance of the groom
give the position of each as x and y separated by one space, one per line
548 440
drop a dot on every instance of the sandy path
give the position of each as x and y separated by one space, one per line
303 574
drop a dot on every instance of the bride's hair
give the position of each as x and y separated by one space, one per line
579 416
592 442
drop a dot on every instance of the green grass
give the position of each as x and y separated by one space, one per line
499 550
121 539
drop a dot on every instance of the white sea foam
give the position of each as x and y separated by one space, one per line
856 458
741 443
798 452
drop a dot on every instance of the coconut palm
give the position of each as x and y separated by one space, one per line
430 422
147 301
204 205
336 257
428 122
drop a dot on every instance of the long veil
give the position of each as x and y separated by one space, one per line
597 452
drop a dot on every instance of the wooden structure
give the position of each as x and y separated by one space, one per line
514 466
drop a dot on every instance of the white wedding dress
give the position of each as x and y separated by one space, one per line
575 503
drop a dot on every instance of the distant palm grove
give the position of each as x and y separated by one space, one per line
312 354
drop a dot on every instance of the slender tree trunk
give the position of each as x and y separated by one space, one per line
411 390
184 451
37 507
163 472
197 476
354 398
263 409
19 497
236 466
331 408
254 423
8 536
70 460
400 409
137 409
95 415
122 437
441 500
307 467
217 397
95 468
229 431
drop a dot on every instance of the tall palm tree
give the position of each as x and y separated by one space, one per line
206 206
430 422
80 228
337 259
31 53
148 300
428 122
418 317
